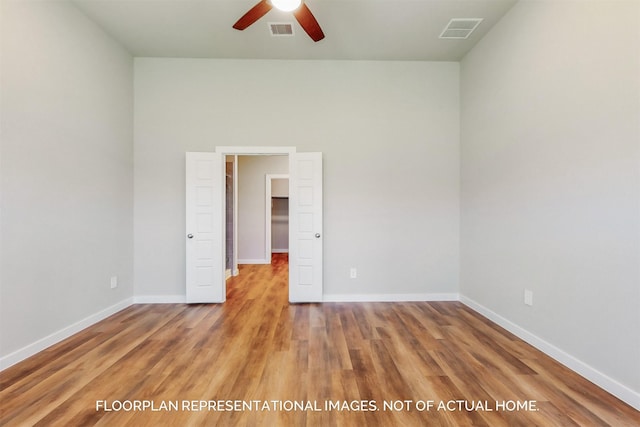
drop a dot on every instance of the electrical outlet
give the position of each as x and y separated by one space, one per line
114 282
353 272
528 297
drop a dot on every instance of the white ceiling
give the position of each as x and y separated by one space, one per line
354 29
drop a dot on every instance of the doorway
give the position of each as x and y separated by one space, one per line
205 223
259 236
276 214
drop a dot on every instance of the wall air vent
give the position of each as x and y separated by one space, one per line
279 29
460 28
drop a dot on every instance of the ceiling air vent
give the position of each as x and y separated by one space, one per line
279 29
460 28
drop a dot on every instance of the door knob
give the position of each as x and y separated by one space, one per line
190 236
317 235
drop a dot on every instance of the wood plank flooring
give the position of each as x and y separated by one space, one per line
332 364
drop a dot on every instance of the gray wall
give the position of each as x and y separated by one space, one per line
550 178
389 135
67 162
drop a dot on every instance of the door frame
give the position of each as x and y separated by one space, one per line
234 257
267 212
249 151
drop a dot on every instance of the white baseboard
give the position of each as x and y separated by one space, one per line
64 333
608 384
279 251
254 261
389 297
160 299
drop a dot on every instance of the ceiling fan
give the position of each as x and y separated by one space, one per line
300 11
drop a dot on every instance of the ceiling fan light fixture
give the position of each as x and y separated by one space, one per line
286 5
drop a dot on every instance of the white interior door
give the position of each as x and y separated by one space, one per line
305 227
204 228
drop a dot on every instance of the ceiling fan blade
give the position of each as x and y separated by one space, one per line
308 22
255 13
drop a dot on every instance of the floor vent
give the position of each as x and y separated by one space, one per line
279 29
460 28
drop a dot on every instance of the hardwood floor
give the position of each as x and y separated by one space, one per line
169 364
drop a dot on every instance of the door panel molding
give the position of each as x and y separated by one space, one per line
204 232
305 227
